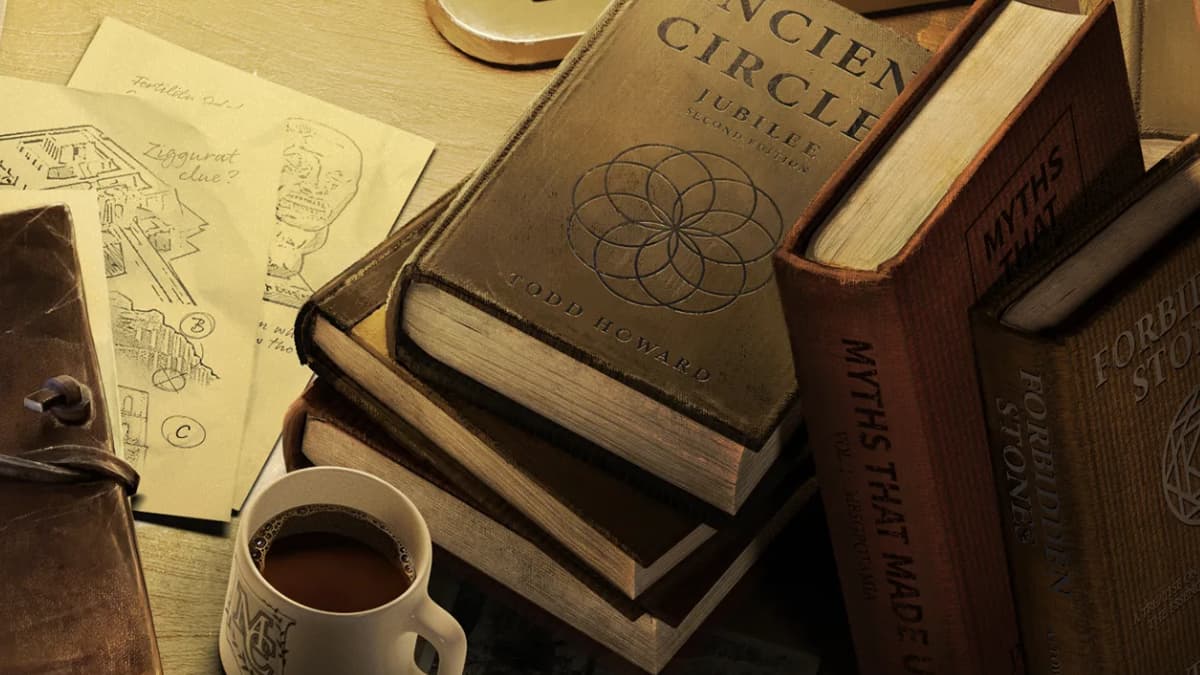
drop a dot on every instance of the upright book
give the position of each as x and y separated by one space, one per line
1090 366
1162 51
1023 124
71 585
608 269
325 428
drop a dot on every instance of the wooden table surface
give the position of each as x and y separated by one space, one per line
381 58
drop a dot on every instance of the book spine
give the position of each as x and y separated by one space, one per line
295 421
1026 387
450 476
849 356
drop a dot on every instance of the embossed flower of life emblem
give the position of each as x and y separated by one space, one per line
1181 461
666 227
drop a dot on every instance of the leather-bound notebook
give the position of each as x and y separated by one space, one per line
72 595
326 428
626 526
1022 125
608 269
1090 367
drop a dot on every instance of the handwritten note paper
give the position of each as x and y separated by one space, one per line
345 179
182 200
85 214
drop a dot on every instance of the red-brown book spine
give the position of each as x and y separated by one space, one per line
887 370
916 533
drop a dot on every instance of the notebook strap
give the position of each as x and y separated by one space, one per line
69 402
69 464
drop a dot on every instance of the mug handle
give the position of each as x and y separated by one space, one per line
443 632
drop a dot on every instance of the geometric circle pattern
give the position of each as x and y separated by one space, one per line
666 227
1181 462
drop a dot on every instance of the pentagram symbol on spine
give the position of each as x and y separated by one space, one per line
1181 461
666 227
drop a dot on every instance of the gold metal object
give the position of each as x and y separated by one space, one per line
514 32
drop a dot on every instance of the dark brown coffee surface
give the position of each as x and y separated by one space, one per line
331 558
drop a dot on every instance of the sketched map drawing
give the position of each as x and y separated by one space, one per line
144 225
344 180
182 201
135 413
321 171
145 343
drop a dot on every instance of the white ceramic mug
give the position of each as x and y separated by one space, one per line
263 632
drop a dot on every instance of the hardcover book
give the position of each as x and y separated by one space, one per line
324 428
784 617
1162 50
71 585
1023 124
1090 380
624 525
624 290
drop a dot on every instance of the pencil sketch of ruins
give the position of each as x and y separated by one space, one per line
145 227
147 345
135 413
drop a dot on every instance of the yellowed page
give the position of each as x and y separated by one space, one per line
1169 48
85 215
345 179
182 199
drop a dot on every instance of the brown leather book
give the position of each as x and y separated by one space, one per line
327 429
628 527
609 267
1022 125
1090 366
72 594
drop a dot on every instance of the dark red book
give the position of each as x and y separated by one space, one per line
1022 124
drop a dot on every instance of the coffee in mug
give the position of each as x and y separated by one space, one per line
333 558
330 574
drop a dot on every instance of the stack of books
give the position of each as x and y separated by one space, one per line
576 364
597 366
513 626
634 570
